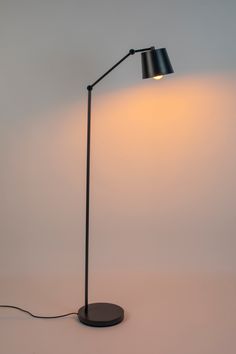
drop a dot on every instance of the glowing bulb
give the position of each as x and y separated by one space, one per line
158 77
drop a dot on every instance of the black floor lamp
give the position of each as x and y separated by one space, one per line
155 64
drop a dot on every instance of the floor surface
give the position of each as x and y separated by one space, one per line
164 313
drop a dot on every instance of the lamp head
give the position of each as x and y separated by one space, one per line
156 63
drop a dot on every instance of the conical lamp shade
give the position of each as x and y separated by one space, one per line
156 62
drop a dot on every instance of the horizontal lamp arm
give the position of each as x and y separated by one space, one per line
131 52
143 49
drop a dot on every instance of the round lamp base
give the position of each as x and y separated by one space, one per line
101 314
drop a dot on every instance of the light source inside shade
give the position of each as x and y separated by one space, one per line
158 77
155 62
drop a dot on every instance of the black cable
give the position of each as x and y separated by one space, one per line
36 316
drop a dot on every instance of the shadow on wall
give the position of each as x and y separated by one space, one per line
163 173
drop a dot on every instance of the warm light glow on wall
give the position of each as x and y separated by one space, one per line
160 154
162 170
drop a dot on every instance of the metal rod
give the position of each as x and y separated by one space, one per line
143 49
112 68
87 198
131 52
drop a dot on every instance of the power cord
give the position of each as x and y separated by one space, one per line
36 316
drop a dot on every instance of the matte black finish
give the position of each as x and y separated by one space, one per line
131 52
101 314
90 88
156 62
111 69
87 196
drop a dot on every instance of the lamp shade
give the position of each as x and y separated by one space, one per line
156 62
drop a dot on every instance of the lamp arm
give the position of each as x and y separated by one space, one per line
131 52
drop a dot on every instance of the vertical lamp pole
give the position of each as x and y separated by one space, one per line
87 197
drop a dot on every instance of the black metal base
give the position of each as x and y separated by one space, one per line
101 314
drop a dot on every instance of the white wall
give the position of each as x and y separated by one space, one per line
163 153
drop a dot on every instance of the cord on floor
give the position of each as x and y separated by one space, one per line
37 316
